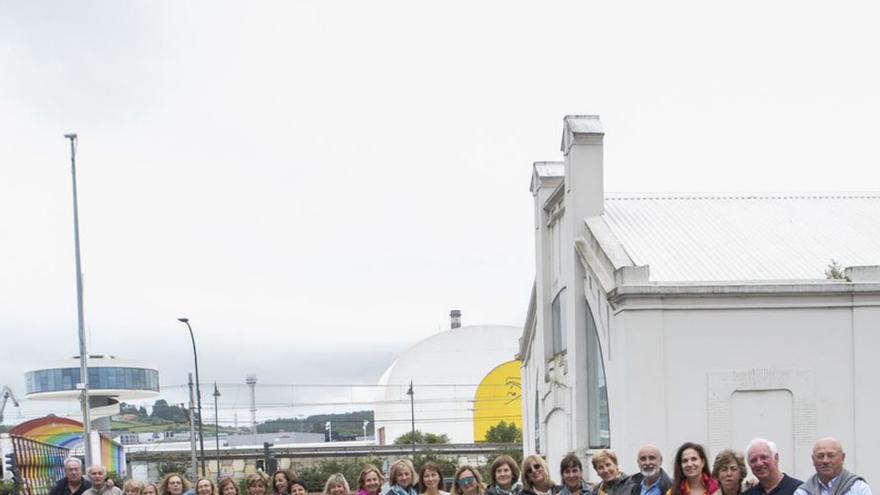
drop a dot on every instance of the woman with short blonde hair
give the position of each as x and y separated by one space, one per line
370 480
605 465
256 484
132 487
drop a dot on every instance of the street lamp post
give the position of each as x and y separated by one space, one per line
83 354
198 392
217 429
412 406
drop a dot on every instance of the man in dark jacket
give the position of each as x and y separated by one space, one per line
651 478
73 482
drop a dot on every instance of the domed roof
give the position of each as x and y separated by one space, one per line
445 370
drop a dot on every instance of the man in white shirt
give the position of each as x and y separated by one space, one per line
100 486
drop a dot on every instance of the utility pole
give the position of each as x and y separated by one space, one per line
83 384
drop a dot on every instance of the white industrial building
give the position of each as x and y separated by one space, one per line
445 370
665 318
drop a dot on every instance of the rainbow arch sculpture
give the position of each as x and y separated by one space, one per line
68 434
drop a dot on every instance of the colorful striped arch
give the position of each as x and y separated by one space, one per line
67 433
62 432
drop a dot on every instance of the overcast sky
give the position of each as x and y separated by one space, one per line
315 183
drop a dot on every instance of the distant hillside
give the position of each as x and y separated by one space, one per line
344 425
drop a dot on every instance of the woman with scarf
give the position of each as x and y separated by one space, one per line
536 478
692 475
572 472
370 480
504 477
613 481
431 480
402 477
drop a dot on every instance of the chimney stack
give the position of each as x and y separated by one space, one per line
582 143
454 319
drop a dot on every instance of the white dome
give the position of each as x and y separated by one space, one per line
445 370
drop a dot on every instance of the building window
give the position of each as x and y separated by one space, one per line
597 391
54 380
557 310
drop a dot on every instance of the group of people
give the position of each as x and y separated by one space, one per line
727 476
692 475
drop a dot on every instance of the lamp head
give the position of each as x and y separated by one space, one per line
183 320
70 136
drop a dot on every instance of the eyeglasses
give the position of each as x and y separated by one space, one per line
467 480
537 467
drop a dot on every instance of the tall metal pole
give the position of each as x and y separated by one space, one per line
198 395
217 429
83 353
412 406
192 428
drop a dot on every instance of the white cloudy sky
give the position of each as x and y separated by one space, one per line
315 183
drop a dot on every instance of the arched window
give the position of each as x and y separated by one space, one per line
597 393
558 320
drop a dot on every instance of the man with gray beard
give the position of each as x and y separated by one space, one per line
651 478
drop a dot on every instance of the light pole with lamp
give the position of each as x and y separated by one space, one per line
83 385
412 406
198 393
217 429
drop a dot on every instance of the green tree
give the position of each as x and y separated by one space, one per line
175 413
418 437
504 432
834 271
171 467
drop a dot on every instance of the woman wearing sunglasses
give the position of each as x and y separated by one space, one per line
467 481
536 478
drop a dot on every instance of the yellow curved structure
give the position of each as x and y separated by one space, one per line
498 398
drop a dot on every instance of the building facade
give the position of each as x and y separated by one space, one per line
691 317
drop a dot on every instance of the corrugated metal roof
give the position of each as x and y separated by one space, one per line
745 237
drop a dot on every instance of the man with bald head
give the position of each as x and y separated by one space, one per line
763 458
831 478
651 479
100 484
